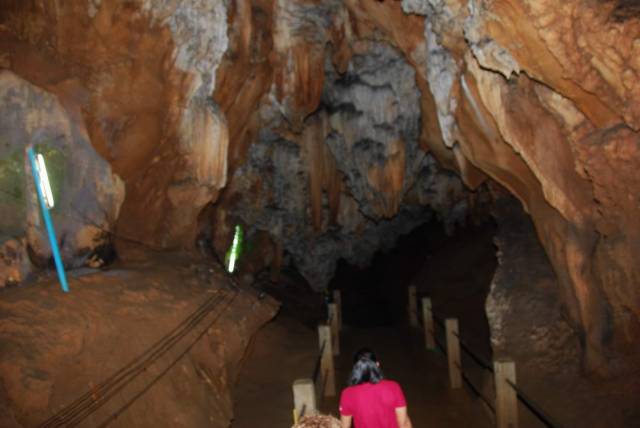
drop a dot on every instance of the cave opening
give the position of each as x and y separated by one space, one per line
454 269
453 266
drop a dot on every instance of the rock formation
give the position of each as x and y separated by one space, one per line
536 97
328 128
529 325
355 179
87 196
140 75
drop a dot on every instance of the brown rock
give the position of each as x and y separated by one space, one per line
57 348
536 95
14 262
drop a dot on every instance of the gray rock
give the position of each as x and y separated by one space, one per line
374 118
488 52
199 30
524 307
87 194
418 7
442 72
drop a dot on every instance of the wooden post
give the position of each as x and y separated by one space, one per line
304 397
327 376
453 352
337 299
427 320
506 396
335 331
412 307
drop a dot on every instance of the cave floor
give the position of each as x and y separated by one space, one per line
285 350
56 347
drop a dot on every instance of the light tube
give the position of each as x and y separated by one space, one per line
45 186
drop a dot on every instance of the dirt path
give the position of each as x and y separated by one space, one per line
284 350
422 374
151 344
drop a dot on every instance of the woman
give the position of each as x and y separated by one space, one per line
371 401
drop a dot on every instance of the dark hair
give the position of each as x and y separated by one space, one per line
365 368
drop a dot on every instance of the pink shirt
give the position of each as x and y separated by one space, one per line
373 405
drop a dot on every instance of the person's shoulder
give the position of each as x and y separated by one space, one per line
391 384
350 393
349 390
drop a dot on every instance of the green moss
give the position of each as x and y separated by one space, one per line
13 185
12 200
12 176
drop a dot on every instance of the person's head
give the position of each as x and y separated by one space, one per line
366 368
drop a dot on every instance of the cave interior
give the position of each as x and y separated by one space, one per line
480 151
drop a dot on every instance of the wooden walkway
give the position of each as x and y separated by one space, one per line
422 374
280 355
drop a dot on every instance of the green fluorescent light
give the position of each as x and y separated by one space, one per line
235 250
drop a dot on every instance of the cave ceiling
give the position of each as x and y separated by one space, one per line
329 128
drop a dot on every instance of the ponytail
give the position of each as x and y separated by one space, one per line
365 368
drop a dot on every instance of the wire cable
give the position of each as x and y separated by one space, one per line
475 357
534 408
78 216
88 403
122 409
475 390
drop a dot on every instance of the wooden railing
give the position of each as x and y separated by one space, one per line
504 405
322 382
